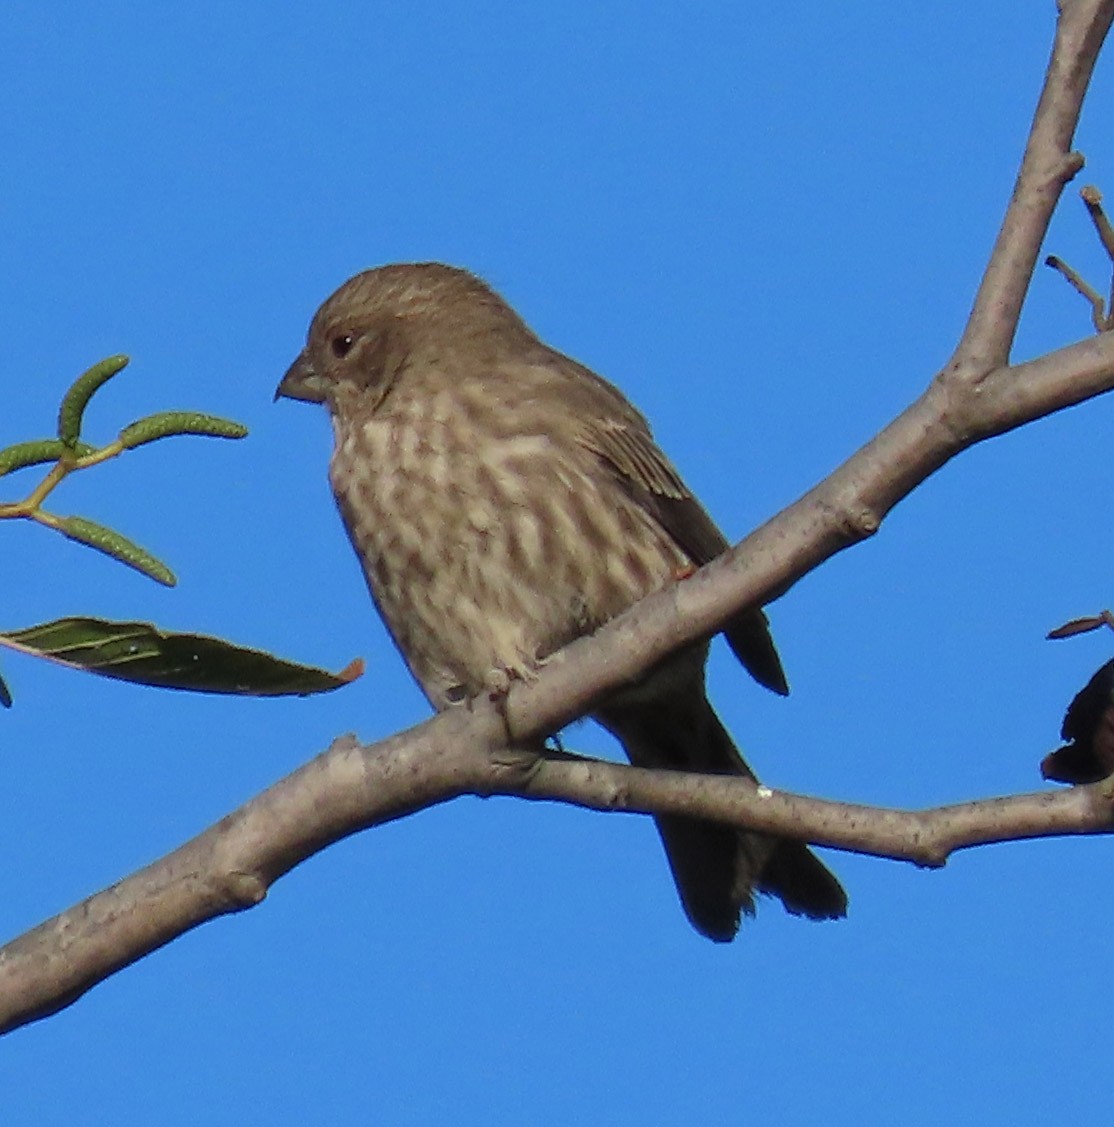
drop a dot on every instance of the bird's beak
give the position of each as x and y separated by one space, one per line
301 382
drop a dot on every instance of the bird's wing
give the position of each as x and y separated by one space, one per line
621 437
645 472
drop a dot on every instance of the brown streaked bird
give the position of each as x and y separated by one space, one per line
504 500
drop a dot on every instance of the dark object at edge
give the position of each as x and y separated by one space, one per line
1089 726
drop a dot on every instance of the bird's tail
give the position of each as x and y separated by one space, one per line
717 868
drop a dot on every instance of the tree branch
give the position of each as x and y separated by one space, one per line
1047 165
926 838
470 750
350 788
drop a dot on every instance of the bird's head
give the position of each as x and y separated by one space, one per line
378 322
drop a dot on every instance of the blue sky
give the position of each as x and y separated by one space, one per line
766 223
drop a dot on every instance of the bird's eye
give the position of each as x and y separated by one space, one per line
342 345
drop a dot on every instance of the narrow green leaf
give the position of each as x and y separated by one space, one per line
77 398
119 547
142 653
167 423
35 453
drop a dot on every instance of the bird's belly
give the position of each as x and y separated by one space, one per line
480 567
469 604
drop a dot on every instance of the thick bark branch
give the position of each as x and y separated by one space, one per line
350 787
230 866
925 837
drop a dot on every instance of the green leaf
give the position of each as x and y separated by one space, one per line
119 547
24 454
168 423
77 398
140 652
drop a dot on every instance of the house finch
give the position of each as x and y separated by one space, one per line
504 500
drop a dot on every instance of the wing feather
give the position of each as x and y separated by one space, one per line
613 430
